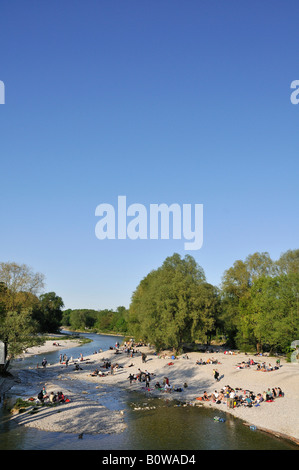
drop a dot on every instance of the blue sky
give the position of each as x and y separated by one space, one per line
162 101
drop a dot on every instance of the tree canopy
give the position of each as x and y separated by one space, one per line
173 304
256 306
23 313
260 301
19 286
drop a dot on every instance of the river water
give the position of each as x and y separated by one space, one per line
152 423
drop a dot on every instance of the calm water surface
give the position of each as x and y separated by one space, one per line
158 424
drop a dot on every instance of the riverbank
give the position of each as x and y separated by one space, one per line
279 416
10 379
52 345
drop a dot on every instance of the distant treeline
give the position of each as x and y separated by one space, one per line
101 321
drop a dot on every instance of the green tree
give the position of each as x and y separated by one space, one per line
173 304
81 319
19 286
235 287
65 320
119 322
48 313
17 279
259 264
288 262
274 311
206 312
19 331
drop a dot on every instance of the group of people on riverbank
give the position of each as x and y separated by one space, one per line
235 397
246 364
128 347
200 362
65 360
268 368
43 397
107 365
145 378
259 366
141 376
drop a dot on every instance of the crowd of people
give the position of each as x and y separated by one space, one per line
106 365
268 368
141 376
146 377
246 364
259 366
128 347
226 394
200 362
238 397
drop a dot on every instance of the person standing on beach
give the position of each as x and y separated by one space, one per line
131 377
147 379
166 381
216 375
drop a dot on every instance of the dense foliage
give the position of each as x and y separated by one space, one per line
174 304
256 307
22 313
102 321
260 302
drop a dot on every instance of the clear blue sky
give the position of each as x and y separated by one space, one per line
162 101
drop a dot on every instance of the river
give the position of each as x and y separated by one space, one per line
152 423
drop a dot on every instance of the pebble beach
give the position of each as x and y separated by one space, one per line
80 415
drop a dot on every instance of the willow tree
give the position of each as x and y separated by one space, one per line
167 307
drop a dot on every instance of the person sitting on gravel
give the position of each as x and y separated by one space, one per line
40 396
60 397
53 397
248 401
